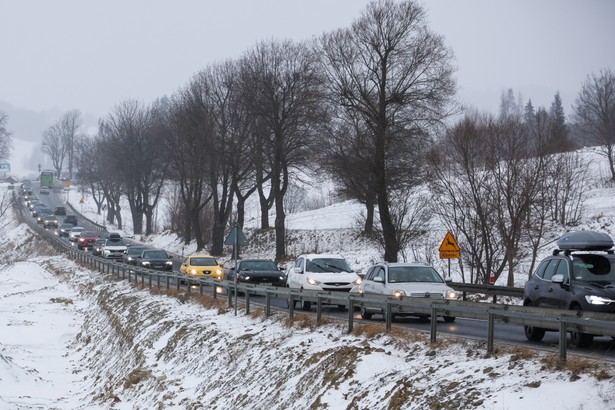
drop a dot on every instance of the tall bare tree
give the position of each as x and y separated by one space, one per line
397 75
53 145
595 113
281 86
6 142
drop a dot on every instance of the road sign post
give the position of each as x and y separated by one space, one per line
235 237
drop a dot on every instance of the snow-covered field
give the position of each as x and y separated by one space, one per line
72 338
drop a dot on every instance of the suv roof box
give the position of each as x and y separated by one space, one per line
585 241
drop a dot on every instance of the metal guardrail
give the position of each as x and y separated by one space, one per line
553 319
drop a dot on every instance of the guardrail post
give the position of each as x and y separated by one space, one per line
434 321
247 296
229 292
169 282
318 309
177 284
350 314
490 332
201 288
215 290
158 281
388 316
562 340
291 306
267 303
188 287
143 279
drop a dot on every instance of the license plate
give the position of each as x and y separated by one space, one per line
266 283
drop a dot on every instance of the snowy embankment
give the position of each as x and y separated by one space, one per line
73 338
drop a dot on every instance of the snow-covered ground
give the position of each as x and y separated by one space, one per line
72 338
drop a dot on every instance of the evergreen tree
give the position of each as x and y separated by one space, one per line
560 135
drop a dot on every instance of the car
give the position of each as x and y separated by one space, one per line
398 280
131 254
70 219
97 248
578 275
257 272
87 239
114 248
75 233
42 213
50 220
44 190
157 259
327 272
64 229
202 266
60 210
38 209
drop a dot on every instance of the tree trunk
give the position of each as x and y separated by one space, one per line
280 228
217 237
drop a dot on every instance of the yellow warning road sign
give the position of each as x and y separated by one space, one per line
449 248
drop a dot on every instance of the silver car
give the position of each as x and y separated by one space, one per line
404 280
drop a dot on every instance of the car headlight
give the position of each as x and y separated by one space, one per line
192 271
218 272
313 281
130 258
398 293
451 294
357 281
244 277
598 300
145 263
169 263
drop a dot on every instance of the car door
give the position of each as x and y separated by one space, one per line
559 293
296 274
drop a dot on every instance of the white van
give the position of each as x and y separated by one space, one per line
327 272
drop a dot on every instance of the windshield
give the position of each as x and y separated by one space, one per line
413 274
258 265
155 255
203 261
595 268
328 265
135 251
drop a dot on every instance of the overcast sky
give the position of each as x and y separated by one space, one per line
91 55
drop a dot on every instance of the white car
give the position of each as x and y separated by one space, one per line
114 247
75 233
327 272
404 280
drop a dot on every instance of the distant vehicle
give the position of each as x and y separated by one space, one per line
202 266
75 233
70 219
329 272
579 275
157 259
257 271
133 251
46 179
44 190
65 229
11 187
87 239
50 220
60 210
98 245
114 248
416 280
39 208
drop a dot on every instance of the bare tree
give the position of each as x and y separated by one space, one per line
390 69
70 124
595 113
6 142
281 86
53 145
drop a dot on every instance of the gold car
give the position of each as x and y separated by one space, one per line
202 266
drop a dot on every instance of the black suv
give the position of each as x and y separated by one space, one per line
580 275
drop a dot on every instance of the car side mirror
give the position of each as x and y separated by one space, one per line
281 267
379 279
298 270
559 278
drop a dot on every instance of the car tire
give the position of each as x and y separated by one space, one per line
581 339
341 307
448 319
533 334
365 314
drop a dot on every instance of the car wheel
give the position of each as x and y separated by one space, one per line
365 314
581 339
449 319
341 307
306 306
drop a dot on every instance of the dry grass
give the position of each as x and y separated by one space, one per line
577 366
